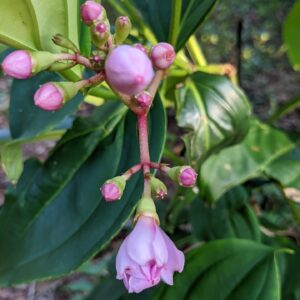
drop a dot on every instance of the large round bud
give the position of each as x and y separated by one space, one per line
128 70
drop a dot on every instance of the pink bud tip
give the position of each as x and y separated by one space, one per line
110 192
144 100
123 20
18 64
161 194
101 28
187 177
90 12
163 55
49 97
128 70
141 47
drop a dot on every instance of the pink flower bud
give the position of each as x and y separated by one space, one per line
144 100
90 12
141 47
111 192
100 29
146 256
162 55
128 70
49 97
187 177
18 64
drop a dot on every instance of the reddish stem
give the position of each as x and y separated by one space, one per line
75 57
132 171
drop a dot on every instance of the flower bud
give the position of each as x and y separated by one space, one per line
100 33
128 70
141 47
158 187
91 12
97 60
64 42
162 56
122 29
112 189
184 176
52 95
22 64
144 100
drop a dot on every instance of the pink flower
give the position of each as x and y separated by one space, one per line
90 12
111 192
187 177
146 256
49 97
18 64
163 55
128 70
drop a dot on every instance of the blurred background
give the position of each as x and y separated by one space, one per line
247 34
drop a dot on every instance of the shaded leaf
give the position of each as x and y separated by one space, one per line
232 216
226 269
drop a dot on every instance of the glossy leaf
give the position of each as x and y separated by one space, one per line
226 269
62 197
157 14
265 151
231 217
215 112
25 119
12 160
291 36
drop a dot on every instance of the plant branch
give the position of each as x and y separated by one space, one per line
195 51
75 57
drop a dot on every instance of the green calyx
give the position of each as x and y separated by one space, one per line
41 60
99 39
69 89
158 187
174 173
122 29
64 42
119 181
146 207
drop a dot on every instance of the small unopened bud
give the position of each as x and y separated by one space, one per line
141 47
158 187
128 70
91 12
100 33
64 42
146 207
22 64
53 95
162 56
144 99
122 29
184 176
112 189
97 59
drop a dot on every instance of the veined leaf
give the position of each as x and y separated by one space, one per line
215 112
231 217
265 151
232 269
56 218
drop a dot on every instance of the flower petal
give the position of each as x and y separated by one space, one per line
160 248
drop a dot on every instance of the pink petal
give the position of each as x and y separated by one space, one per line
160 248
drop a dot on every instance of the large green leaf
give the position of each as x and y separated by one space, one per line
265 151
231 217
215 112
55 221
157 14
291 36
25 119
226 269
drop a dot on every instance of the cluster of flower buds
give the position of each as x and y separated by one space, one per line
147 254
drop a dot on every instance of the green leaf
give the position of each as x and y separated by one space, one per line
62 199
215 112
25 119
12 160
291 36
18 25
232 216
157 14
265 151
232 269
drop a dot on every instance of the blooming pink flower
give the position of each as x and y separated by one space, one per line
49 97
128 70
187 177
18 64
163 55
90 12
146 256
111 192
